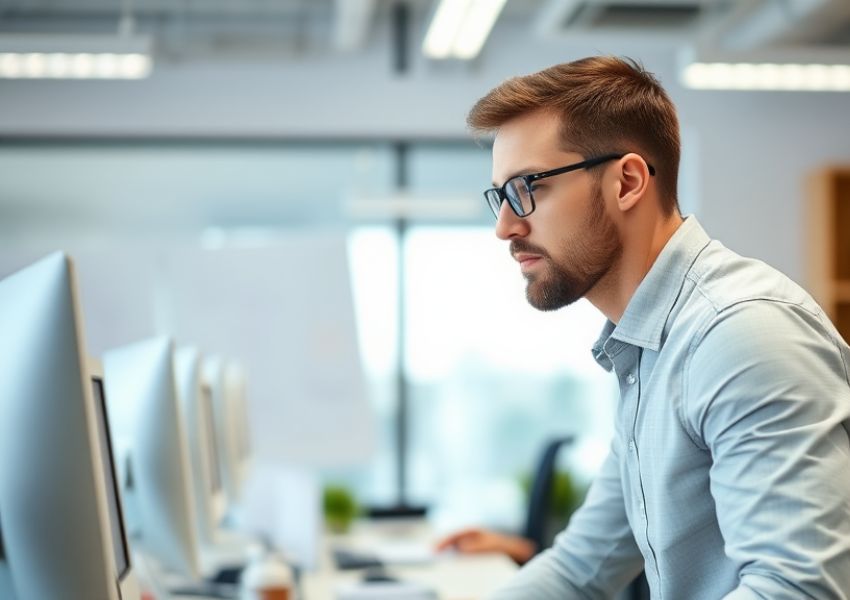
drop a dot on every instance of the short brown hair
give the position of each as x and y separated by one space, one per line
606 104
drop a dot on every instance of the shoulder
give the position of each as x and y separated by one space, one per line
726 279
749 310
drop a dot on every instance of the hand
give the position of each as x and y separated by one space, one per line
477 541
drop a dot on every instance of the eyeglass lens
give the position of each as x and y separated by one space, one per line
518 196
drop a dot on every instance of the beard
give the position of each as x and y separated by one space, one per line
582 261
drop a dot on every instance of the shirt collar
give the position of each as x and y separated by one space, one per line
642 323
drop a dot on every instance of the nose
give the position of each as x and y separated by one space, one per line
508 225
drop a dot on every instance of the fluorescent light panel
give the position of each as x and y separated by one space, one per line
36 65
460 28
444 27
767 76
38 56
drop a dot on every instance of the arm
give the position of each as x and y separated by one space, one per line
593 558
768 395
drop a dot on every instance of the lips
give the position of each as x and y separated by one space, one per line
522 257
526 260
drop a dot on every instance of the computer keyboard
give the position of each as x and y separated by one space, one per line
354 559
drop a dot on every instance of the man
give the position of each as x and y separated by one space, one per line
729 473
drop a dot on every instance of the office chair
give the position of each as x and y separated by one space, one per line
638 589
541 489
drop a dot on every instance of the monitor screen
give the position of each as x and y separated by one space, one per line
119 538
212 441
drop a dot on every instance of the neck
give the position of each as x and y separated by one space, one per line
642 243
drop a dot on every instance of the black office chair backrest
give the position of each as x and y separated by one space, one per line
541 489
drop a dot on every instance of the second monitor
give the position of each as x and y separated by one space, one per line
152 443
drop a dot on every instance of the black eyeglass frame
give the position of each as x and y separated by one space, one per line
502 195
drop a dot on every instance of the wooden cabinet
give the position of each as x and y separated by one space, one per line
828 243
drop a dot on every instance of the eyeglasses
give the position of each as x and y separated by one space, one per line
519 190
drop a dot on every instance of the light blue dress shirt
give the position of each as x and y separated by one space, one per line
729 473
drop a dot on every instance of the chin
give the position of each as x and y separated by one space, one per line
546 299
548 291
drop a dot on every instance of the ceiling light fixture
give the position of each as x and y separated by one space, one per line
460 28
43 56
767 76
769 70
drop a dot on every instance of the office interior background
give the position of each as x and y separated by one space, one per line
291 183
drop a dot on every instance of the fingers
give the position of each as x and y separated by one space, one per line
474 544
458 539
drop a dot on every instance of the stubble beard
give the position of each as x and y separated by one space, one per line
585 260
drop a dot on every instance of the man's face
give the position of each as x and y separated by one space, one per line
569 242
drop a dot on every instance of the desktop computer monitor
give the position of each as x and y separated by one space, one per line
236 428
196 404
150 436
226 387
60 508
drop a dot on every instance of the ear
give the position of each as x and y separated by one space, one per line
633 181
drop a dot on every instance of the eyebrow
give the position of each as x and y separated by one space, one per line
526 171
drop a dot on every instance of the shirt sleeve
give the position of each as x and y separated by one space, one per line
769 397
593 558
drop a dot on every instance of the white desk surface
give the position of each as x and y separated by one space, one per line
453 576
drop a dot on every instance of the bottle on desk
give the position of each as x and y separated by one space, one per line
267 577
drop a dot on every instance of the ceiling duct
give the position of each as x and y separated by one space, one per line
759 23
629 17
619 15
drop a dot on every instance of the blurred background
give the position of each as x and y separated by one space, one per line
291 183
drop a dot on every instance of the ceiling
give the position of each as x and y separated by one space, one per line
221 28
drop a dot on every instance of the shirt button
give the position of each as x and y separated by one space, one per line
632 446
630 378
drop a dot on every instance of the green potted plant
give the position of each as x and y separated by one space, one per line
339 507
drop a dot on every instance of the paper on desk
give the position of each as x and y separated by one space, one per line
404 553
397 590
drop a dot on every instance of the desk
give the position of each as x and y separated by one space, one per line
453 576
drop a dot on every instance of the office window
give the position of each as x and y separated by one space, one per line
489 377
